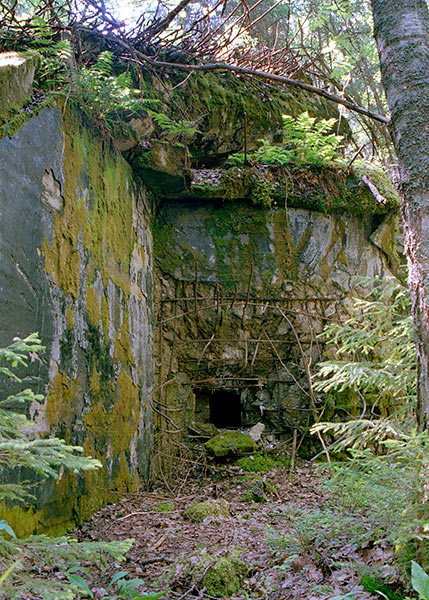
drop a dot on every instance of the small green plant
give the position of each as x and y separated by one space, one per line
327 592
315 531
375 585
118 588
419 581
305 141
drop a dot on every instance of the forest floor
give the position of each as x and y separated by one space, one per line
293 544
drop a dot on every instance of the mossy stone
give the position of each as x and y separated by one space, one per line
230 443
203 430
16 79
225 577
210 508
255 491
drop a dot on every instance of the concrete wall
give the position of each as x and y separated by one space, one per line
76 266
242 294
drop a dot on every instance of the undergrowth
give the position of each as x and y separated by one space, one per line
305 141
41 566
104 93
383 484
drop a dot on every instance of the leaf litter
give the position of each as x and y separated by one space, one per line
291 551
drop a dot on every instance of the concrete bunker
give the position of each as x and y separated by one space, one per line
243 293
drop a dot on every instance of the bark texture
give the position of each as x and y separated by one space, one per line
401 29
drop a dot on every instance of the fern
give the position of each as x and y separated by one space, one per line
305 140
173 129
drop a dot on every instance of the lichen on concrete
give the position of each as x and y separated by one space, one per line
94 258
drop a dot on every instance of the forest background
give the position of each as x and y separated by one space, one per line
329 49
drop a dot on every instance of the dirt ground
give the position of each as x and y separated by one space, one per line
286 557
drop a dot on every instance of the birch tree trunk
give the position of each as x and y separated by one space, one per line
401 29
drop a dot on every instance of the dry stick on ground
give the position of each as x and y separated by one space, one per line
199 580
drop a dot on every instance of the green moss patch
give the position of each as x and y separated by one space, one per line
257 463
230 443
255 491
225 577
165 507
210 508
376 586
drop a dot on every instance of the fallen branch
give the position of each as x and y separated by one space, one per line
263 75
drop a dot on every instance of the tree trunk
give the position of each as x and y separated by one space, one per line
401 29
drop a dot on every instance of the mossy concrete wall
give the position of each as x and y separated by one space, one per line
242 294
76 266
16 80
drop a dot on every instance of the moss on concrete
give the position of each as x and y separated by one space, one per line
325 189
17 71
88 258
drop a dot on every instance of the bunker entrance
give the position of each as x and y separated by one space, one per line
220 407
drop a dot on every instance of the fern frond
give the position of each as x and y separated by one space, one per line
358 434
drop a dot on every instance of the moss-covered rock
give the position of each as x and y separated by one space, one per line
210 508
230 443
225 577
203 430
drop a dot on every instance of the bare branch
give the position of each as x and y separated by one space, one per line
270 76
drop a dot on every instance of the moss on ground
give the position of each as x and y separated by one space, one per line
165 507
210 508
225 577
262 463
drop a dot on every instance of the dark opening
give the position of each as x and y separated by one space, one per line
225 408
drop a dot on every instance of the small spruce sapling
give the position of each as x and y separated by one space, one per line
37 565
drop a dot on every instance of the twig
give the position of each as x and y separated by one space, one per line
293 456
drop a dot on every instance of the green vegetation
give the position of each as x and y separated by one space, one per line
210 508
305 141
26 559
375 354
420 581
383 482
118 588
225 577
257 463
165 507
